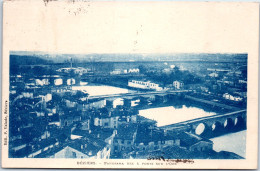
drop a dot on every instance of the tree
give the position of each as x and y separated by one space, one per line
142 69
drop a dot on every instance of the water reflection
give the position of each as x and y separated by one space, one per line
170 115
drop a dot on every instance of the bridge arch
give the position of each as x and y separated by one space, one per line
229 123
202 129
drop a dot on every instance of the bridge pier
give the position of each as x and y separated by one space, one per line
161 98
217 129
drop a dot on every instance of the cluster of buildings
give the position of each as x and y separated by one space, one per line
125 71
54 121
78 70
50 120
227 85
156 86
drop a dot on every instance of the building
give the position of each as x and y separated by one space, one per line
148 85
114 117
213 74
118 102
155 140
124 139
134 70
87 147
58 81
43 146
78 70
116 72
232 97
178 84
193 142
90 104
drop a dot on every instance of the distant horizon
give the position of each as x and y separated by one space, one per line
134 57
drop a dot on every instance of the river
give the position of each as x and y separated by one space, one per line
97 90
234 142
170 115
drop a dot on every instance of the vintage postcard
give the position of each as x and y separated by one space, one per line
134 85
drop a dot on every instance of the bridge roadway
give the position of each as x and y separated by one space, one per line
122 95
213 103
213 119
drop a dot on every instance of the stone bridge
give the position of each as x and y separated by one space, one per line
158 94
212 126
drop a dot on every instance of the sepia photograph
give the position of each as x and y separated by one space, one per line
130 85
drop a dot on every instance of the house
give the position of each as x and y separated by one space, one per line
85 124
118 102
148 85
232 97
116 72
124 139
153 139
42 146
87 147
114 121
204 89
134 70
69 117
27 94
178 84
112 118
42 82
157 140
58 81
78 70
61 89
105 134
84 104
106 122
242 81
45 96
193 142
213 75
135 102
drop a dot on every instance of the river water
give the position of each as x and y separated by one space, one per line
170 115
97 90
234 142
